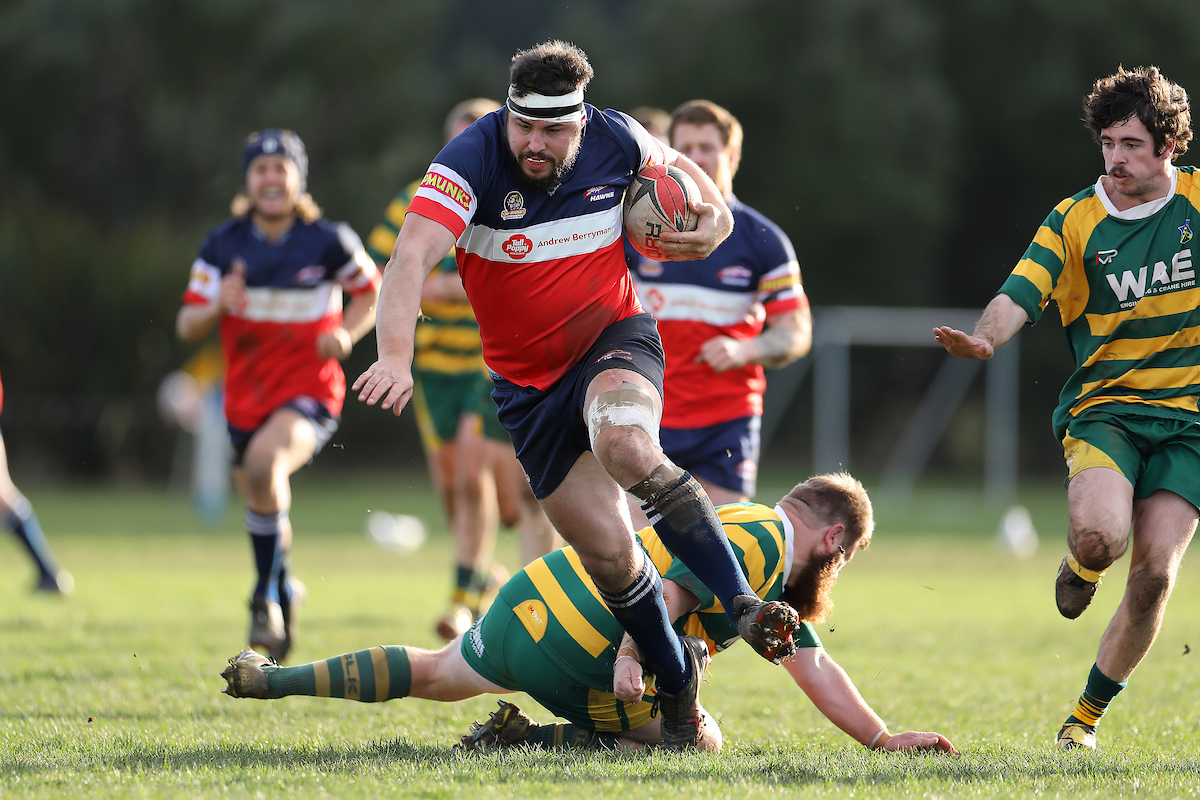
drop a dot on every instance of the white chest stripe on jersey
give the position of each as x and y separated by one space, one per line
268 304
674 301
564 238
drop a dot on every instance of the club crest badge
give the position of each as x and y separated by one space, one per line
514 206
1185 232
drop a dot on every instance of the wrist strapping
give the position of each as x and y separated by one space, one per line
882 731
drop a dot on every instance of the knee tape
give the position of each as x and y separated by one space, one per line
629 406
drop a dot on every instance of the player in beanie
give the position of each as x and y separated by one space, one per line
271 279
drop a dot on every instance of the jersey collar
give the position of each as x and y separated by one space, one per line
1143 210
789 543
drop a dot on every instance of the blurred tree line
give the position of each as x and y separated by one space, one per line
910 148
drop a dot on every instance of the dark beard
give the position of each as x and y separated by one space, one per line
549 183
808 591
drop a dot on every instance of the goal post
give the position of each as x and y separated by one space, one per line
836 329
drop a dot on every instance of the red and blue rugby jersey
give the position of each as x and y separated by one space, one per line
545 272
294 294
752 275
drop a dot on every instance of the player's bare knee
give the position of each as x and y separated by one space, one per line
623 427
613 569
1095 550
1148 589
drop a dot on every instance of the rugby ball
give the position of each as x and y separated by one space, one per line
659 198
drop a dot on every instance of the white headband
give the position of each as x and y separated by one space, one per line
546 108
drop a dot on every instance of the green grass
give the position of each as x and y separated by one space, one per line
114 691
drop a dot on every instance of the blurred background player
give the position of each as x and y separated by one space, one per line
654 120
1117 259
536 637
272 278
19 517
470 455
722 320
532 195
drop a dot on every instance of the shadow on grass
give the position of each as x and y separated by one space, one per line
774 766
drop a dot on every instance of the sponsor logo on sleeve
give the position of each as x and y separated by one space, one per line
443 185
777 284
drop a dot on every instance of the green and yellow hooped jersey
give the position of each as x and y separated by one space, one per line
1126 290
447 337
561 607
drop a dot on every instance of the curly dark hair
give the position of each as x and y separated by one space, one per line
1160 105
551 68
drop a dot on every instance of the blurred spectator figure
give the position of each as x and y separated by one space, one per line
722 320
191 398
20 518
470 455
654 120
272 279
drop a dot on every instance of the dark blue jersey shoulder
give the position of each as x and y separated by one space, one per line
608 156
755 247
305 255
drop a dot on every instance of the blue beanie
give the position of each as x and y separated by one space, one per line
277 142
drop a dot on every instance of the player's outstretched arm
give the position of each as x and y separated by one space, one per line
835 696
1000 322
421 244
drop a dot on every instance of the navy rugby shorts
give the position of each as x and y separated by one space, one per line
324 424
725 454
548 428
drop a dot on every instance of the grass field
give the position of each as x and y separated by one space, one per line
114 692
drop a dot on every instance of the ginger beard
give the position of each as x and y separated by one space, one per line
808 590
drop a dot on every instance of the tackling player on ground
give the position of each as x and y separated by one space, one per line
532 196
1117 259
272 278
549 635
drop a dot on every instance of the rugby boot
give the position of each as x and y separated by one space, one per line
244 677
497 577
682 717
455 622
507 727
59 582
1072 592
267 632
1076 736
766 626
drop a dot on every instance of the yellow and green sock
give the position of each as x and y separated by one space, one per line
369 676
1098 693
